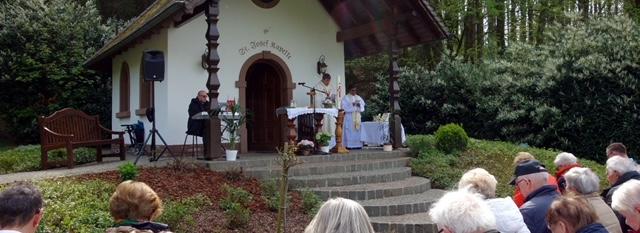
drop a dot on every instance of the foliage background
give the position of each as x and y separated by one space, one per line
43 44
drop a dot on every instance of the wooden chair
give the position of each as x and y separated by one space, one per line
69 128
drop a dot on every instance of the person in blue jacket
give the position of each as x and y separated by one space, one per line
531 178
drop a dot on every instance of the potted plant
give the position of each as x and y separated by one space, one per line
323 139
233 120
305 147
386 138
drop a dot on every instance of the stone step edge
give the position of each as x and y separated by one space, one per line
329 168
374 193
350 178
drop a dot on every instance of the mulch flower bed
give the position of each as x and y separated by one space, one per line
171 183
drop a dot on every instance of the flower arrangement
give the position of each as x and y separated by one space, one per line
323 138
327 103
305 145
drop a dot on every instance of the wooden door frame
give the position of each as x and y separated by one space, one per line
287 87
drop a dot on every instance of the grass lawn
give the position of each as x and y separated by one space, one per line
496 157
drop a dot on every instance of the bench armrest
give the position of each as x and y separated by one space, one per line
111 131
57 134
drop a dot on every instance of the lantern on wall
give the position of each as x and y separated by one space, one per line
321 66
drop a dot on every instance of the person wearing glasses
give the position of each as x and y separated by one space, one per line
531 178
20 209
197 105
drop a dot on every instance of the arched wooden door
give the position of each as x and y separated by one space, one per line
263 97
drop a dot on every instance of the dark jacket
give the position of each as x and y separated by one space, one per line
129 226
196 127
593 228
608 193
534 210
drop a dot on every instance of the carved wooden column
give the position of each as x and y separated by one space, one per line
339 148
214 147
395 122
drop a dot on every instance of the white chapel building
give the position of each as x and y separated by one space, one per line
265 48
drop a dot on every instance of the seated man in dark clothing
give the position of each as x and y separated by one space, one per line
197 105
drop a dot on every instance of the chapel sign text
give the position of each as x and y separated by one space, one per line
265 44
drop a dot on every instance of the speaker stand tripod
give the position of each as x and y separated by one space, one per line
153 155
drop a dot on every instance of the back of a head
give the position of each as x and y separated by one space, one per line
620 164
565 159
340 215
616 149
522 157
582 180
479 181
572 210
462 212
19 204
627 197
135 200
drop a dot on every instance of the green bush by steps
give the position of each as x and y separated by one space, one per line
445 170
451 138
27 158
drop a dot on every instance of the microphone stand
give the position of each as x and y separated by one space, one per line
313 90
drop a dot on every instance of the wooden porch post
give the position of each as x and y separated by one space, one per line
214 147
395 123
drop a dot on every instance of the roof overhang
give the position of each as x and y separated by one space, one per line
366 26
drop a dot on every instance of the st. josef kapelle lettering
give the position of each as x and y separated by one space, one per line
264 45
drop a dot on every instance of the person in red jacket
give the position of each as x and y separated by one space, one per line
564 161
522 157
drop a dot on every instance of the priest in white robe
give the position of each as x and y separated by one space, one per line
327 94
353 106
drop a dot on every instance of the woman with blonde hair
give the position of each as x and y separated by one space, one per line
134 206
340 215
573 214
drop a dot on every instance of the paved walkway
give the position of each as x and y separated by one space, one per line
108 164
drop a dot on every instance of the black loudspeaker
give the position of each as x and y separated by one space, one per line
153 65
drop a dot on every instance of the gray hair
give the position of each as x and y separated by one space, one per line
479 181
627 197
340 215
582 180
463 212
620 164
565 159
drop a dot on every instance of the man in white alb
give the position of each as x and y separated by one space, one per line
328 97
353 106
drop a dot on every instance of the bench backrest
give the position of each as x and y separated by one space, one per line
70 121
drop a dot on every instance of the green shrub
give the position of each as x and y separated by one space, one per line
20 159
128 171
419 143
234 196
442 169
310 202
178 214
271 195
237 216
73 206
451 138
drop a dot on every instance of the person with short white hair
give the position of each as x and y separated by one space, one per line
462 212
340 215
619 171
627 202
564 161
586 184
531 178
507 215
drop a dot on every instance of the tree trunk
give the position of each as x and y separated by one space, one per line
469 32
478 21
542 21
500 23
583 7
512 21
522 29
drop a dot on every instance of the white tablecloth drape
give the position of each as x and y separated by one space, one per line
374 133
295 112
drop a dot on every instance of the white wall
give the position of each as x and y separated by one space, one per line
302 27
133 56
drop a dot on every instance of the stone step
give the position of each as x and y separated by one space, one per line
409 186
247 161
350 178
307 169
400 205
408 223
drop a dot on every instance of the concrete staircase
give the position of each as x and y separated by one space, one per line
381 181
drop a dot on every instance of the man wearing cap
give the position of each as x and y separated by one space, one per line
531 178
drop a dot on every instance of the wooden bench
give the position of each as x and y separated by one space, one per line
69 128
